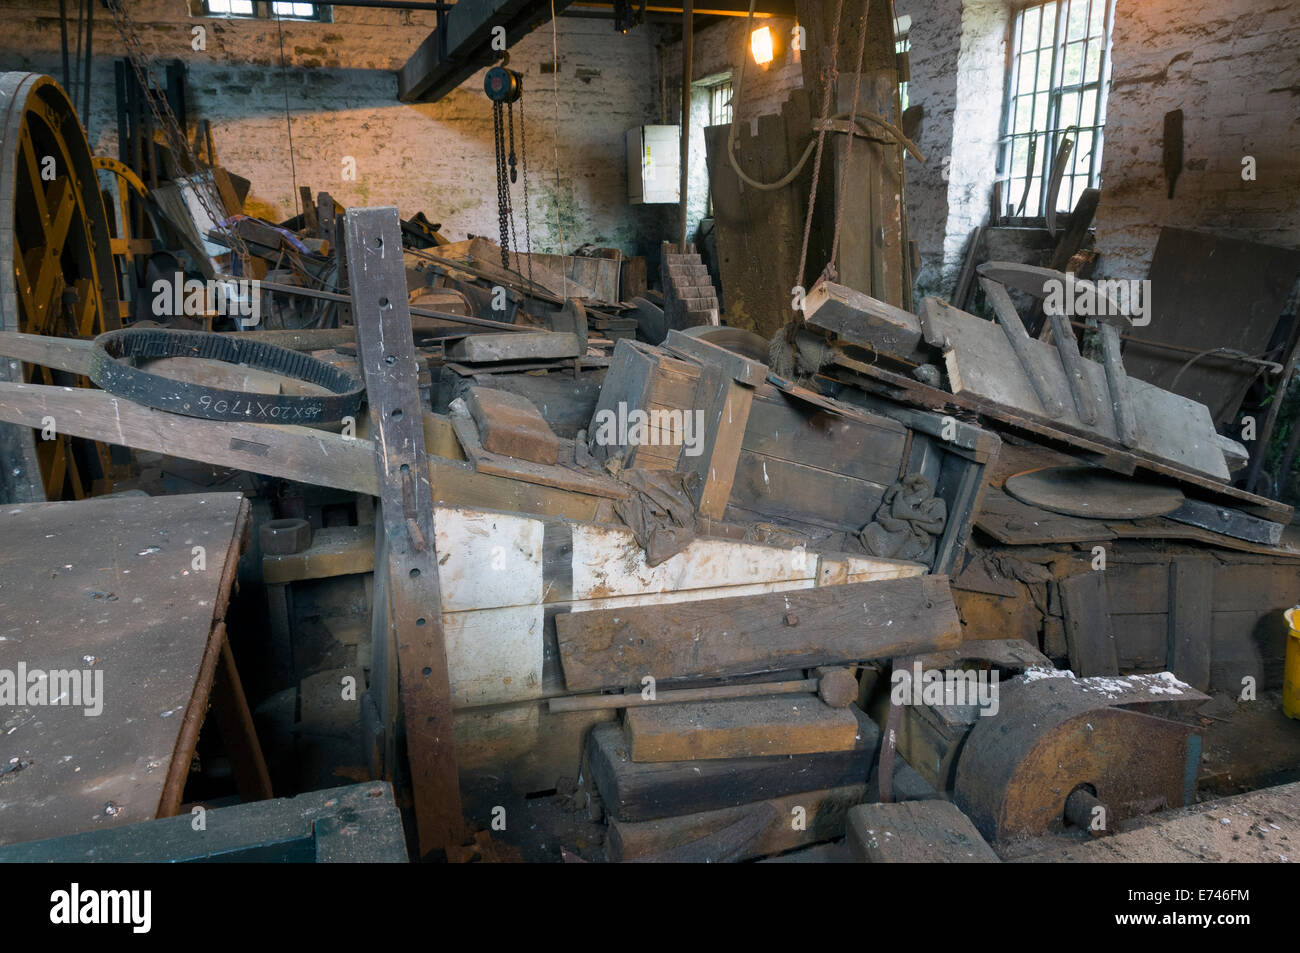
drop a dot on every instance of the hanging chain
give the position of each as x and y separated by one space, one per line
528 221
514 174
204 186
498 132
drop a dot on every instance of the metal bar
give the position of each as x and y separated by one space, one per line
421 312
688 55
412 617
636 700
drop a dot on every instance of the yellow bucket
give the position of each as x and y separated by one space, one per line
1291 673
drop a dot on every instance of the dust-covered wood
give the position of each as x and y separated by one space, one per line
610 648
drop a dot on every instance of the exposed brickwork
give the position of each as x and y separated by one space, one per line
434 157
1234 70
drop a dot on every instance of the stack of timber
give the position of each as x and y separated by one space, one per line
689 296
717 773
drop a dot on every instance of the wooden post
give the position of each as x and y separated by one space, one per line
412 615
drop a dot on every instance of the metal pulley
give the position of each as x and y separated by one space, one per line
503 85
1020 773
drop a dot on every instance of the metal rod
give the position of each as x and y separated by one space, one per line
688 56
422 312
90 35
636 700
63 41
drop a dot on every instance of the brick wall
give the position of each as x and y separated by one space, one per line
342 94
1234 70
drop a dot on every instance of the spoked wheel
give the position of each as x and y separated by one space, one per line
56 274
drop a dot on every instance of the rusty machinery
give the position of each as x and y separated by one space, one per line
1071 751
57 275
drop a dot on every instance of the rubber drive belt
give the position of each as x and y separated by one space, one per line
112 367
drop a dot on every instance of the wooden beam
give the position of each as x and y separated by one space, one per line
413 610
611 648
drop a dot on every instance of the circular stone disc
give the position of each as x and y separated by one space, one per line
1092 494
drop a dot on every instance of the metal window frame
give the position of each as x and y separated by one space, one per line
1049 136
262 10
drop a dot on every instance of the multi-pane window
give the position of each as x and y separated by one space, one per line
720 103
1056 90
901 45
264 9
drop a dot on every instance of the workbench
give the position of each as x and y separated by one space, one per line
130 593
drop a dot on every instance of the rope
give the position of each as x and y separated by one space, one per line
288 119
821 140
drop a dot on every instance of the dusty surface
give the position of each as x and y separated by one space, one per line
1259 827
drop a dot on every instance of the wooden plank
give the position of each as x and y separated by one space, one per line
861 445
109 591
738 728
526 346
916 832
1191 602
291 452
742 369
780 489
726 415
861 319
634 791
1009 521
414 610
765 827
612 648
1086 607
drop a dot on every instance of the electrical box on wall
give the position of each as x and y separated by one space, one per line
653 164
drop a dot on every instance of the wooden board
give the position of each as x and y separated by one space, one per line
1009 521
110 586
514 346
739 833
638 792
916 832
1086 605
738 728
409 621
1191 604
772 632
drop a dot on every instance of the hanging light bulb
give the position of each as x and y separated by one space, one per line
761 46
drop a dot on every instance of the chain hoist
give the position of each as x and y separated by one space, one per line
505 87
